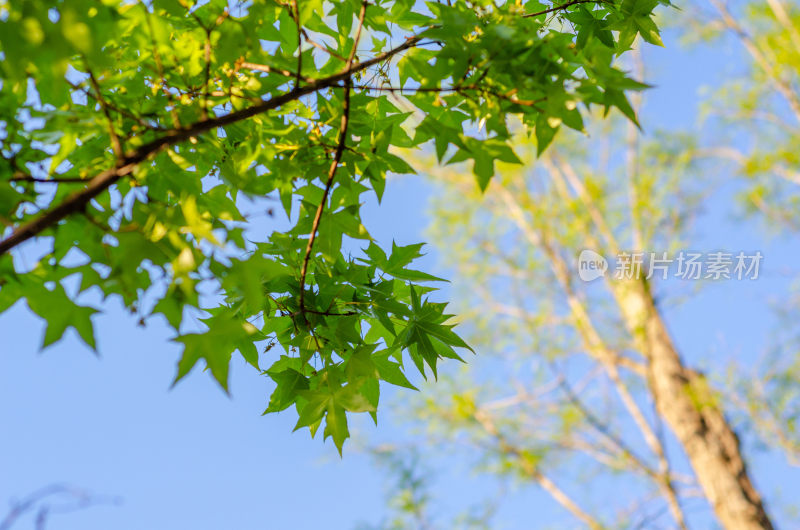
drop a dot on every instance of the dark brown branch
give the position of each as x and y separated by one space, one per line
102 181
337 158
19 177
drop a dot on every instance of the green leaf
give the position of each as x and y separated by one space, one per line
391 372
60 313
215 346
289 383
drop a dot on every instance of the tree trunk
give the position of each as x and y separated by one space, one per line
684 400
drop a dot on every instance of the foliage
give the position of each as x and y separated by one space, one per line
134 134
755 116
561 399
753 121
411 496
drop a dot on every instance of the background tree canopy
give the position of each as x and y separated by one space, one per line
569 400
140 139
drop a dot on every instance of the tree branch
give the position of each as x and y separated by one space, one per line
780 84
176 123
562 7
535 473
509 96
337 158
116 145
273 70
102 181
296 17
20 177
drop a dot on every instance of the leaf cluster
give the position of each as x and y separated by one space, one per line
134 135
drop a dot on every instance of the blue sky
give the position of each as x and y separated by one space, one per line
191 457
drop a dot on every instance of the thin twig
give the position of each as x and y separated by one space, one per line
562 7
535 473
334 164
114 108
18 177
781 85
508 96
326 49
299 42
176 122
207 57
274 70
116 145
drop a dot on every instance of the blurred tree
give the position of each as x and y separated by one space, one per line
56 499
412 502
580 388
754 119
756 113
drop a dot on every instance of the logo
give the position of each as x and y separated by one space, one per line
591 265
